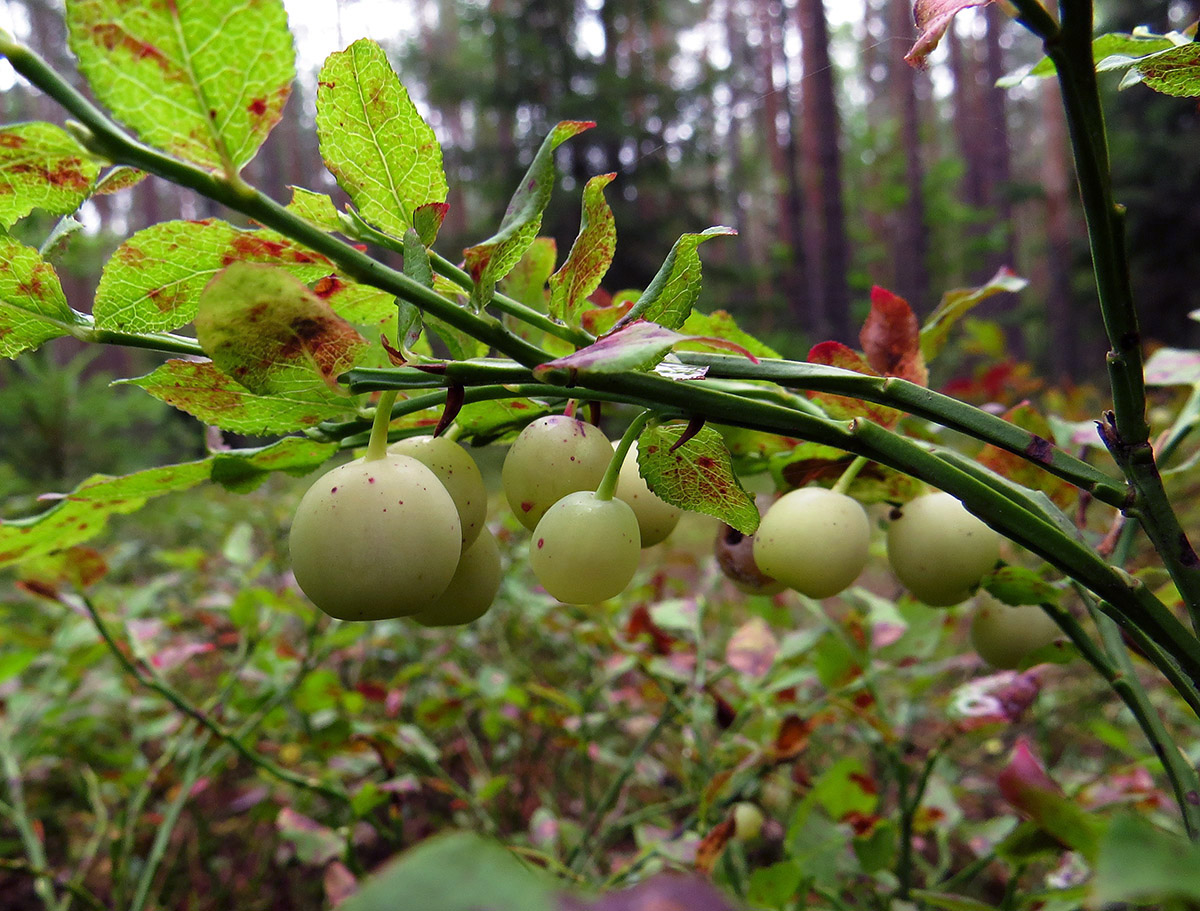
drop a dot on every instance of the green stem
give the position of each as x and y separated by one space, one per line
851 472
254 758
922 402
377 447
608 484
18 814
1069 46
1116 669
109 140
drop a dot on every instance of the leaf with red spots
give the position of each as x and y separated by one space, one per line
637 346
674 290
42 167
122 177
84 512
527 280
835 354
494 258
1025 470
807 463
601 320
698 476
719 324
590 256
375 142
204 82
933 17
958 303
215 398
484 421
791 739
153 281
891 338
272 334
33 308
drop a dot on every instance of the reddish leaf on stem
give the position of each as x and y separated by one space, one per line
933 17
891 338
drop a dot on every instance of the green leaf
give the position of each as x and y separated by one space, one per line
719 324
846 787
527 280
42 167
373 139
153 281
774 886
637 346
33 308
494 258
698 476
948 902
958 303
272 334
315 208
1103 47
203 81
1142 864
119 178
455 872
484 421
1173 72
215 398
1017 585
674 290
590 256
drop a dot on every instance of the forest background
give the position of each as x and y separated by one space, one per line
798 123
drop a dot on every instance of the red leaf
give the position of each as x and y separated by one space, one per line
713 844
640 622
791 738
933 17
891 338
835 354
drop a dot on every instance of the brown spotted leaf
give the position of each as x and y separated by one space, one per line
791 738
271 333
835 354
204 82
153 281
492 259
33 308
215 398
891 338
590 256
933 17
42 167
697 476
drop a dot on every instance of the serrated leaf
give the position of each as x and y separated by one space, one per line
42 167
122 177
372 310
153 281
637 346
84 513
698 476
590 256
674 290
215 398
890 338
315 208
958 303
33 308
835 354
272 334
719 324
494 258
203 80
1016 585
373 139
1173 72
